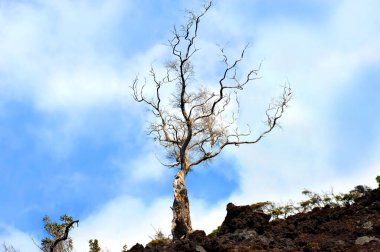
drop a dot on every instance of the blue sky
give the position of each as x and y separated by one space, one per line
73 139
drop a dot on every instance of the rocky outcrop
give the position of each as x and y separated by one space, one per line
137 248
243 217
354 227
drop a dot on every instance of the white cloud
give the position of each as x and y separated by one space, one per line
147 168
127 220
123 220
318 64
65 64
53 58
205 216
16 238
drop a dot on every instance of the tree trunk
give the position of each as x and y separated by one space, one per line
181 223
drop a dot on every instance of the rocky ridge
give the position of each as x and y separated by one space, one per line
354 227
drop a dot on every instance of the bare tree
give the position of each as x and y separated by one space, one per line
194 128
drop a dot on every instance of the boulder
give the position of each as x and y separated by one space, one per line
137 248
244 217
366 239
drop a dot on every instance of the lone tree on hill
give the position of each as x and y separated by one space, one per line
193 128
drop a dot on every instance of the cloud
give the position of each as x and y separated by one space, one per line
123 220
127 220
57 59
319 63
16 238
147 169
66 60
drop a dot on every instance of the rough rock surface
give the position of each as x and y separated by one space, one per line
243 217
351 228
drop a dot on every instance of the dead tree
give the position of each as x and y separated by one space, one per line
194 128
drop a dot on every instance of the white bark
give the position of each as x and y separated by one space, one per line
181 223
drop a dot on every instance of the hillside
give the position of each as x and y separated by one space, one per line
353 227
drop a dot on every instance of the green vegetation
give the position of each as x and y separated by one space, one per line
215 232
314 200
125 248
94 246
159 238
378 181
275 210
59 239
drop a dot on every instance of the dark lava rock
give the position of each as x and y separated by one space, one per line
137 248
352 228
243 217
197 236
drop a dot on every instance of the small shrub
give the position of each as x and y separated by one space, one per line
215 232
289 209
125 248
378 181
94 245
158 242
260 206
159 238
361 189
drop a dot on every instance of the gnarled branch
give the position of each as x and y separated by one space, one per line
195 128
64 236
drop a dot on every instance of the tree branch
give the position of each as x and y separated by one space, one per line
272 122
195 129
64 237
